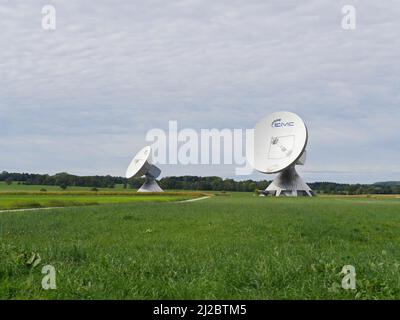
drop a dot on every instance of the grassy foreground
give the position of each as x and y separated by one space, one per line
224 247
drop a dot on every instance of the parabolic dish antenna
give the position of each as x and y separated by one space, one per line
141 165
280 141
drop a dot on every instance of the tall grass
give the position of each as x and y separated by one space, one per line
234 247
18 200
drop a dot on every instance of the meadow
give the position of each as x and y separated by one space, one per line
232 246
4 187
30 196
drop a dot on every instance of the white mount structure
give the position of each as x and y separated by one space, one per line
288 183
279 145
141 166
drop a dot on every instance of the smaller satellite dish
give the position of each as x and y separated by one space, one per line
141 165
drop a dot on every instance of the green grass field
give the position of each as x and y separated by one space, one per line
226 247
29 196
23 187
67 199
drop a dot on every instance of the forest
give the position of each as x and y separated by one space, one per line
212 183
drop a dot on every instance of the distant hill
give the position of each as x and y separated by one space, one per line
387 183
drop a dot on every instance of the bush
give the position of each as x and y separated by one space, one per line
63 186
43 190
94 189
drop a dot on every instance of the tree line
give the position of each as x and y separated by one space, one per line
65 180
62 180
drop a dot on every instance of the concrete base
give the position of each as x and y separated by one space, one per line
150 185
288 183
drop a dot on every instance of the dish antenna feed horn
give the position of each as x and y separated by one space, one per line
280 141
141 165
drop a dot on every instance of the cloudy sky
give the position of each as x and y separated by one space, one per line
82 98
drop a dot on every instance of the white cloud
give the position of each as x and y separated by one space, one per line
113 70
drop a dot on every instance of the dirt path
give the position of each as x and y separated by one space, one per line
49 208
196 199
31 209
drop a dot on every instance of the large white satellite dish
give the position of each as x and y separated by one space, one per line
141 165
280 140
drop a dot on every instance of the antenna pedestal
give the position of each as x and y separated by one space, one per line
150 185
288 183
